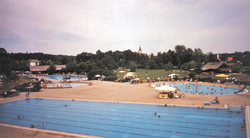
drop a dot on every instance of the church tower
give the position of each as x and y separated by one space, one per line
140 51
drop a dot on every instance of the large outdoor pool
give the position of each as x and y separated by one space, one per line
203 89
123 120
60 77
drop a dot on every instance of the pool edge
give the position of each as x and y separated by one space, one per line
247 117
50 131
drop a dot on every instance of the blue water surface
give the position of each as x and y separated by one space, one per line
123 120
60 77
203 89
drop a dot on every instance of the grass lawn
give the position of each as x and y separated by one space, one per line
143 74
11 85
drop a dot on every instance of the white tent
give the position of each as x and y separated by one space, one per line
165 88
136 79
97 76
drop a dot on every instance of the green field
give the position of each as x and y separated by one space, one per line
143 74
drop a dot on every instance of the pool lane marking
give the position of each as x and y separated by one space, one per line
119 121
51 131
119 116
119 112
166 111
247 117
125 132
131 122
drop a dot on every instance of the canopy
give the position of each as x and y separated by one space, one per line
173 75
130 73
136 79
13 90
165 88
222 75
97 76
121 71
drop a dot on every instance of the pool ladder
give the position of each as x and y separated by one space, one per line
39 126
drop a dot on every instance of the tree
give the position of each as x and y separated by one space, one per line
158 62
132 66
109 63
169 66
181 52
211 57
192 75
186 66
51 69
37 86
166 57
71 67
197 66
151 64
197 54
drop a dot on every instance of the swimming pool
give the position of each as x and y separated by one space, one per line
203 89
67 85
60 77
123 120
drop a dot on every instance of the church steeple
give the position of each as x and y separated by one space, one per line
140 51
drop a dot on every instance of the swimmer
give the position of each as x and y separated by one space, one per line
166 105
230 112
65 105
242 128
41 98
18 117
159 116
241 107
31 126
155 114
174 106
73 100
198 107
238 112
202 107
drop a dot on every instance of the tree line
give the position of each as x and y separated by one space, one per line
105 62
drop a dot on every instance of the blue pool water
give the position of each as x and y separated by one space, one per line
67 85
60 77
123 120
205 89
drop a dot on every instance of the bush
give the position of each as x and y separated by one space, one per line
192 75
111 78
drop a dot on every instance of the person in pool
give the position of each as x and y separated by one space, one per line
31 126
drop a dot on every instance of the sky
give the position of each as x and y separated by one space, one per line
72 27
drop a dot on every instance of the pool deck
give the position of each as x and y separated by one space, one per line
121 92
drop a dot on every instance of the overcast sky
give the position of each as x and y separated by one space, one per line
70 27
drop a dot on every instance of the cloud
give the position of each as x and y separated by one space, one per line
64 27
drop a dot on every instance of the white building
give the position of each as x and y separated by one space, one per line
34 62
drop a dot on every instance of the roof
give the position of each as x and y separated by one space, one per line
34 60
215 65
225 69
44 68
